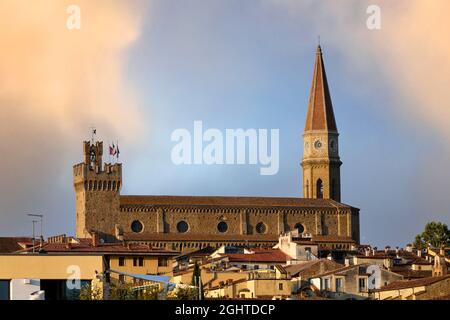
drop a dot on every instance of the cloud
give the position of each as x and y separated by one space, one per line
410 52
54 84
406 65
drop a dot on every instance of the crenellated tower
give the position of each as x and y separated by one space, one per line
321 163
97 191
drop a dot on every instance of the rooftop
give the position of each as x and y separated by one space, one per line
12 244
87 246
403 284
228 201
258 255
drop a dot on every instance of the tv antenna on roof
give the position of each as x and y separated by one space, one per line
40 216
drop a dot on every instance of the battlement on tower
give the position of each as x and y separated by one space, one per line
91 176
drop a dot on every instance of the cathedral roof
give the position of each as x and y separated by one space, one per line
320 109
229 201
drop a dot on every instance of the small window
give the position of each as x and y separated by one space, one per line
163 262
137 226
280 286
299 227
222 227
338 284
138 262
326 284
121 261
256 267
182 227
362 285
261 227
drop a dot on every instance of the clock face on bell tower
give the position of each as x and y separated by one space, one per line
318 144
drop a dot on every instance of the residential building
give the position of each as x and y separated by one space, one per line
353 282
419 289
262 284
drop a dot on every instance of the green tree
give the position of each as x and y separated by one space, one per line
187 293
196 281
87 293
436 234
121 291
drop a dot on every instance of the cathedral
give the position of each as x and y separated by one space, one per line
188 223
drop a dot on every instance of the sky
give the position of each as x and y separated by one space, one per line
138 70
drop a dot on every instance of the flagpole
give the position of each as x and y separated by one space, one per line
118 151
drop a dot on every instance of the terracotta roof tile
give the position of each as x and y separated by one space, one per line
228 201
108 248
261 255
306 267
12 244
403 284
331 238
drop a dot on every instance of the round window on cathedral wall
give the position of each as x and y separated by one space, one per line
136 226
261 227
222 227
299 227
182 227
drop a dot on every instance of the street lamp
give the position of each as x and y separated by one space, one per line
40 216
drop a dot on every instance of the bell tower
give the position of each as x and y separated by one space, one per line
97 190
321 163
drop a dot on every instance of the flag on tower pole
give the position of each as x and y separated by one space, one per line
112 150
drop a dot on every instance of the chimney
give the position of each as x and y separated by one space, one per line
367 252
94 239
386 249
347 261
419 253
118 232
374 251
409 247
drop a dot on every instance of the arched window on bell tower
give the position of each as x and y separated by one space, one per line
319 189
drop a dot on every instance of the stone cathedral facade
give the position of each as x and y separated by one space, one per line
187 223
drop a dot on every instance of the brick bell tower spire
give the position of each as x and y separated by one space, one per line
321 162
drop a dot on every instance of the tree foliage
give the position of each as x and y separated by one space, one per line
436 235
187 293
